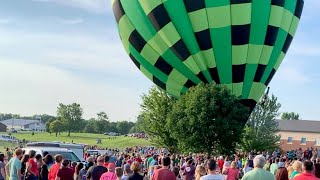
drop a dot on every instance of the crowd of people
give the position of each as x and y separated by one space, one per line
150 163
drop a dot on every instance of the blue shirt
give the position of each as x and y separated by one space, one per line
15 166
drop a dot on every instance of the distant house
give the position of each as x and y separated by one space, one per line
299 133
3 128
24 125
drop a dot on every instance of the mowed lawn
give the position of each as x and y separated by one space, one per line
84 138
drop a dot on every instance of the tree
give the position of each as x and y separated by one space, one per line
102 123
70 115
138 126
56 127
156 107
89 127
260 133
48 125
123 127
290 116
208 118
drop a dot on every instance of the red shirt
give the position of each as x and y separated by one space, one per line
54 171
65 174
220 164
34 166
306 176
138 160
163 174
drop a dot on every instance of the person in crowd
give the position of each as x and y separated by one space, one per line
45 167
126 172
246 168
136 168
164 173
119 173
110 175
2 168
226 165
274 166
176 172
220 163
258 173
55 167
297 167
282 172
233 171
106 161
77 170
39 161
24 160
32 167
308 172
13 167
65 172
200 171
84 170
290 168
212 173
188 170
267 165
317 168
95 172
154 161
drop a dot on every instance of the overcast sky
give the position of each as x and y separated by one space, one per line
66 51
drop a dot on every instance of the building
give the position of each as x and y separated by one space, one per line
299 133
3 128
24 125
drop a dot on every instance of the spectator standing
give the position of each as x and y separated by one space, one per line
200 171
297 167
55 167
233 172
95 172
110 175
164 173
282 172
32 167
13 168
212 174
2 168
274 166
308 172
258 173
126 172
136 168
24 160
65 172
119 173
78 168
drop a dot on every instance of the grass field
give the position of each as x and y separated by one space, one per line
84 138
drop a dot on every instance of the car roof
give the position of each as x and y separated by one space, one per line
47 149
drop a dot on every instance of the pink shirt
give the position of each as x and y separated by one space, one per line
232 174
108 176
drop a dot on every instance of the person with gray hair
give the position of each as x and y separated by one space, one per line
258 173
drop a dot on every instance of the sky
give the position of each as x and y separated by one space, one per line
65 51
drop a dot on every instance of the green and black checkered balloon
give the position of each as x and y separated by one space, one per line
180 43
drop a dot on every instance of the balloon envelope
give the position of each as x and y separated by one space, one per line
180 43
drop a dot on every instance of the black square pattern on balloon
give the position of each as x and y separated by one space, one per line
189 84
204 39
134 60
238 73
240 34
202 77
273 72
137 41
278 2
163 66
287 43
194 5
240 1
259 73
159 83
271 36
214 75
299 7
118 10
159 17
180 50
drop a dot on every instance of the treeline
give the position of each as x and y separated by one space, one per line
69 119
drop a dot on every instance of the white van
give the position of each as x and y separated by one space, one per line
66 154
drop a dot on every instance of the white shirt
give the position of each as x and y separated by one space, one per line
212 177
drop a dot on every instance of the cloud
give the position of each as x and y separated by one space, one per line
71 21
97 6
292 74
5 21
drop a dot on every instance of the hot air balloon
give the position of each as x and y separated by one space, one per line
180 43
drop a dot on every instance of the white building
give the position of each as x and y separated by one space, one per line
24 125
